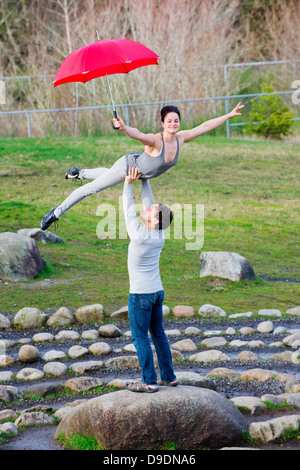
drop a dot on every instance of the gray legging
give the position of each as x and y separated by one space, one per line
102 178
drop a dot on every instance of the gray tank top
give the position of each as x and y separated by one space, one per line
151 167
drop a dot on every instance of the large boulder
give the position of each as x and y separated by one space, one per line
225 265
20 258
191 417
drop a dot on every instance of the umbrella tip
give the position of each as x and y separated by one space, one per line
97 32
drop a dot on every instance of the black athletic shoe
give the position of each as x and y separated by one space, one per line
49 219
72 173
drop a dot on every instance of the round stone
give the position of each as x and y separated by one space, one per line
66 335
28 353
42 337
55 369
77 351
183 311
90 334
100 348
30 374
265 327
110 331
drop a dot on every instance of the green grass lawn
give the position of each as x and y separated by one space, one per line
250 193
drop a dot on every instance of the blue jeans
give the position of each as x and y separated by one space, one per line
146 315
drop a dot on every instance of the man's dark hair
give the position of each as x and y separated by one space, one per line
165 217
169 109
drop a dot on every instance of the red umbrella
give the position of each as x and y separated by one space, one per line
103 58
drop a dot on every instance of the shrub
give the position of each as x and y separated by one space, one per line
269 117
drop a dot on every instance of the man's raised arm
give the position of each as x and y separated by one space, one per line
131 220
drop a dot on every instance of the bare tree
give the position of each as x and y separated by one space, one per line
194 39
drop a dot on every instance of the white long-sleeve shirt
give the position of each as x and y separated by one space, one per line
145 245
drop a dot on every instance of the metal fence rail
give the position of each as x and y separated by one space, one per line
127 106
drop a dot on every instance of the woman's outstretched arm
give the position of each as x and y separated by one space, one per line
133 133
191 134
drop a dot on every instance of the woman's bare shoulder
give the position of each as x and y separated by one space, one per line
156 141
154 147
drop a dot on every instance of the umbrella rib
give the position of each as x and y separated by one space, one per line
127 60
84 73
123 65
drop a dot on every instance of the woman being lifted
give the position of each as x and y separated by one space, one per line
161 152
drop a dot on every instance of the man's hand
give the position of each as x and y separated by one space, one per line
235 111
132 175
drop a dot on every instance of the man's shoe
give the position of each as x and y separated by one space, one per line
72 173
49 219
168 384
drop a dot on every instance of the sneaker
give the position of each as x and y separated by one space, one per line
48 219
72 173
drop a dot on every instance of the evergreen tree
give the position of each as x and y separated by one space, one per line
269 117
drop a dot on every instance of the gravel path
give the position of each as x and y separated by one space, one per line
41 438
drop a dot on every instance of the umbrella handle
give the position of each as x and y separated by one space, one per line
116 117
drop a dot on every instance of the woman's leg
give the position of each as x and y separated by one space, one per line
91 174
106 178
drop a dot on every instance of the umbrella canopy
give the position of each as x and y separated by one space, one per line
104 58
